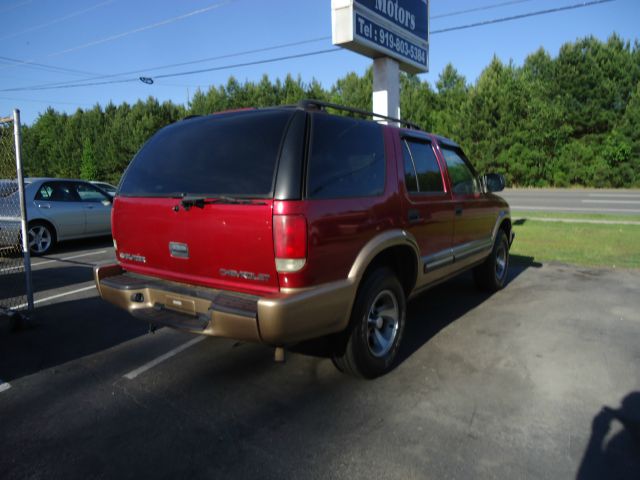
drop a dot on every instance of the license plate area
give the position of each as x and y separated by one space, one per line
180 304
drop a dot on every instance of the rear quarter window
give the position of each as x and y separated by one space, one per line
346 158
226 154
422 172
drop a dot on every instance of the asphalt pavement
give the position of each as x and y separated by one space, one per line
574 200
541 380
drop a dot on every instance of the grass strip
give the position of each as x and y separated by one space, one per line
596 245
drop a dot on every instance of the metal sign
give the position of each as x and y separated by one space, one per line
384 28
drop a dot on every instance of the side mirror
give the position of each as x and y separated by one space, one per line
494 182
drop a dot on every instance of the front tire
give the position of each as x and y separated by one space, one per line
42 238
376 327
491 276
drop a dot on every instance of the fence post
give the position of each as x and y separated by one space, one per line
23 210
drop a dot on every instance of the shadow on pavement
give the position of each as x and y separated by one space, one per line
434 310
65 331
57 277
73 246
518 263
228 413
618 456
62 332
431 311
221 411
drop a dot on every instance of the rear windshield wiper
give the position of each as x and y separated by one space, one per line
200 201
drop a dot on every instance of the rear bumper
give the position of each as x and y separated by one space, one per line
277 320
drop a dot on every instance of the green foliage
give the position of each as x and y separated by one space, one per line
354 91
94 144
569 120
598 245
88 166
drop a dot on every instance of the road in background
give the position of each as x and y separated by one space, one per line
574 201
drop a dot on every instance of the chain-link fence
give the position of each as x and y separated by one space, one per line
16 295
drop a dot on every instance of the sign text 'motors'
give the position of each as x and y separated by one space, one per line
411 15
398 29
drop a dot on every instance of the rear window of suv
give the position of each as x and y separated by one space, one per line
226 154
346 158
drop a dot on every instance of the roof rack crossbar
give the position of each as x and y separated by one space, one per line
320 105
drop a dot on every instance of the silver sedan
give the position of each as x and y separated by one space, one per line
57 210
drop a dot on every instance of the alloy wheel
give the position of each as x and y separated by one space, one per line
382 323
39 239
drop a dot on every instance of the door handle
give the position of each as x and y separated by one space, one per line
44 205
458 210
89 207
414 216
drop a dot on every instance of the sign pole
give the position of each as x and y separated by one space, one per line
23 210
386 87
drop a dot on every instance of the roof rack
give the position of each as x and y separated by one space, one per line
320 105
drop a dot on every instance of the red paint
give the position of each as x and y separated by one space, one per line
230 237
241 237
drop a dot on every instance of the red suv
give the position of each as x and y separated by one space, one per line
285 224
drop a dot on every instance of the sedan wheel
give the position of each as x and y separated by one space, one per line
40 239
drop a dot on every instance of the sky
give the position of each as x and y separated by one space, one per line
63 43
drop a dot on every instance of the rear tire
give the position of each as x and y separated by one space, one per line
371 342
491 276
42 238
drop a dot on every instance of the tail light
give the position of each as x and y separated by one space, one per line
290 241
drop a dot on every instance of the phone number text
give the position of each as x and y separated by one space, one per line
368 30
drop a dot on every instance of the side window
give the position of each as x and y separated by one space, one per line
57 192
463 179
45 192
421 169
410 174
346 158
88 193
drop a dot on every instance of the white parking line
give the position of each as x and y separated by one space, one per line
623 202
574 209
147 366
59 295
614 195
4 386
53 260
11 269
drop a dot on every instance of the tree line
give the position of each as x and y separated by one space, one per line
573 119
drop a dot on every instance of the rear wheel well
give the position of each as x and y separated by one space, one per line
402 261
506 227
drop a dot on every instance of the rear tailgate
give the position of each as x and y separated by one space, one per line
220 246
195 204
